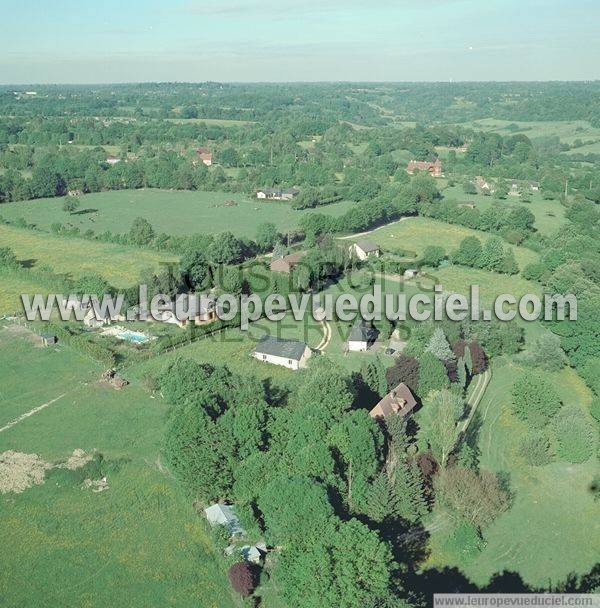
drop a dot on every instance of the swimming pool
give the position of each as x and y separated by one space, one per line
132 336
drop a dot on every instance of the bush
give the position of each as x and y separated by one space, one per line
535 449
574 435
534 400
243 578
464 543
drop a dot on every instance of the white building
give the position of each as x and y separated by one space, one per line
411 273
362 336
365 249
95 321
287 353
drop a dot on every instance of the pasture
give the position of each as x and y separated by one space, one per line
566 130
552 528
416 233
549 214
139 543
174 212
120 265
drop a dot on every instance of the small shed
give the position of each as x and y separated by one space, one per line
48 339
251 554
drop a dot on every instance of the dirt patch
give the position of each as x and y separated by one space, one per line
77 459
19 471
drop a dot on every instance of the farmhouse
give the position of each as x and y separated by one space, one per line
112 160
287 353
398 401
220 514
205 156
364 249
278 194
433 168
287 263
94 320
482 184
362 336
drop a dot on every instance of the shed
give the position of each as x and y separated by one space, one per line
48 339
220 514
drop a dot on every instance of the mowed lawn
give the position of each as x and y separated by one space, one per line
140 543
553 526
176 212
416 233
234 347
120 265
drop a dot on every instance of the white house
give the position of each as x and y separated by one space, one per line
94 320
411 273
364 249
278 194
362 336
287 353
220 514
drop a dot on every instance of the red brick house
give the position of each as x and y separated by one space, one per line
434 168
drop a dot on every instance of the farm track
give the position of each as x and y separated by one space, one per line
35 410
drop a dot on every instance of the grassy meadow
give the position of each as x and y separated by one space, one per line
139 543
549 214
566 130
551 504
120 265
171 211
416 233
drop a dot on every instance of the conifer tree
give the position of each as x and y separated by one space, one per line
439 347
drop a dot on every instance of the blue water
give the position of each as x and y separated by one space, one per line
132 336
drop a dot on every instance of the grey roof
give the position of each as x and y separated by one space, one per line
224 515
278 347
363 331
367 246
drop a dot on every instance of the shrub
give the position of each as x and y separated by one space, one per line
464 543
574 435
535 449
534 400
243 579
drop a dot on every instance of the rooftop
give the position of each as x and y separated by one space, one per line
279 347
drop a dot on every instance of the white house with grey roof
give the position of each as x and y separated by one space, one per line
287 353
365 249
362 336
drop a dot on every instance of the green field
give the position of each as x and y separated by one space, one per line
139 543
173 212
567 130
549 214
120 265
553 526
416 233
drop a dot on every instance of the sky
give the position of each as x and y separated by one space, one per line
75 41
